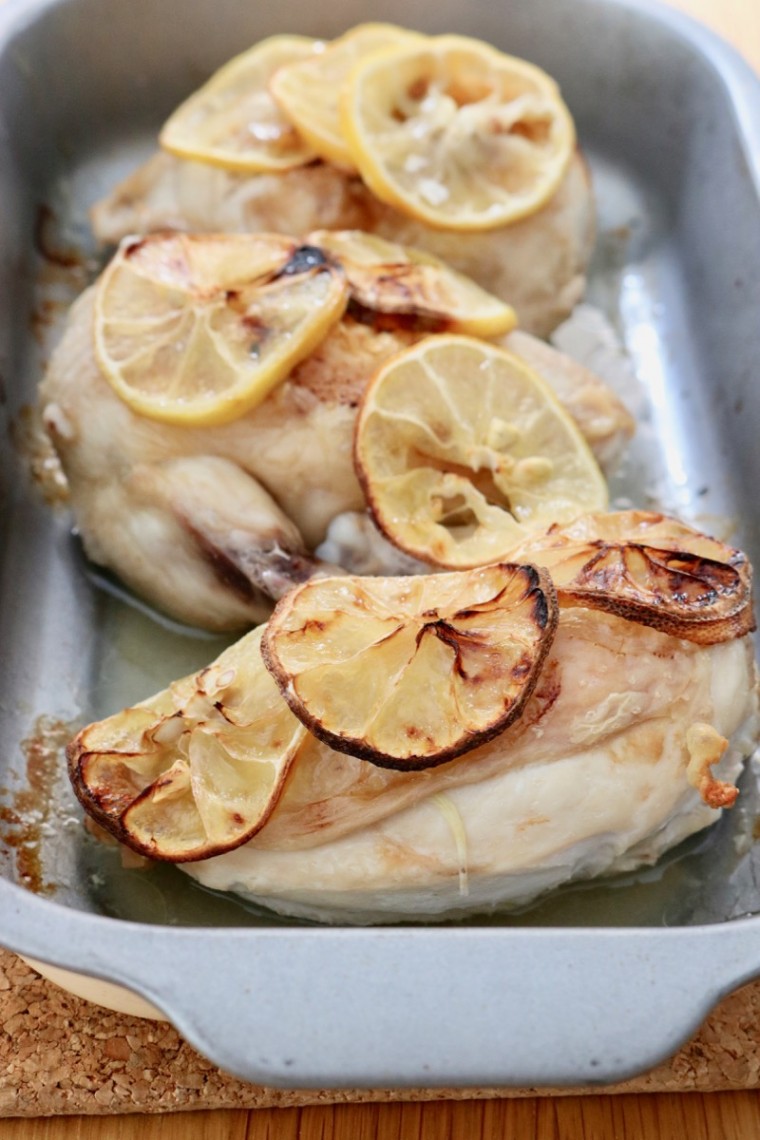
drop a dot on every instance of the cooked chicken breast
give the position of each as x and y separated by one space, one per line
210 524
602 773
538 264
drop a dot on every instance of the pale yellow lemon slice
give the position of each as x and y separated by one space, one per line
455 133
199 329
197 769
392 278
410 672
232 121
462 450
308 91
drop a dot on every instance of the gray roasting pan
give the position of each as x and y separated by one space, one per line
590 987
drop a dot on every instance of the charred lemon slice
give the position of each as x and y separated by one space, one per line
233 121
198 329
461 450
391 278
650 569
410 672
455 133
308 90
196 770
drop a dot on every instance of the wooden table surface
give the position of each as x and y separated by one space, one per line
694 1115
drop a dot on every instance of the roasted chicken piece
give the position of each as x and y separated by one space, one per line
210 523
538 264
631 741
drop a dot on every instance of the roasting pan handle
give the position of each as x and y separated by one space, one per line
332 1008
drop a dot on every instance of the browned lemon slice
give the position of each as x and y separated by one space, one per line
308 91
410 672
392 278
462 449
651 569
232 121
196 770
455 133
199 329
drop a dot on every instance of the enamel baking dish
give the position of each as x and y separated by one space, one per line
592 987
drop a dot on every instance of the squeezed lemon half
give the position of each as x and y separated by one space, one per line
232 121
462 450
410 672
198 329
455 133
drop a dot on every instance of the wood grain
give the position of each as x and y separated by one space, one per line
629 1117
698 1116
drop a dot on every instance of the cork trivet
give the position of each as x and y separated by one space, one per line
60 1054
